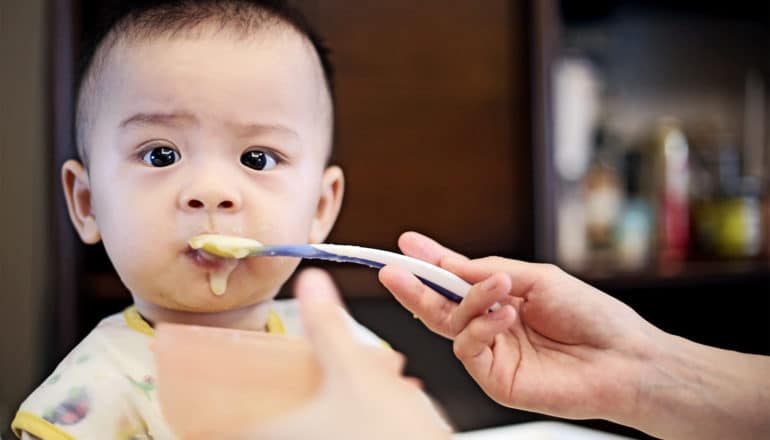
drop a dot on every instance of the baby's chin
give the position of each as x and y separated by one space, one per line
202 300
253 281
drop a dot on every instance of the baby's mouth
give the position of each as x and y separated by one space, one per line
206 260
220 257
218 268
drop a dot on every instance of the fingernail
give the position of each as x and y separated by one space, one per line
489 284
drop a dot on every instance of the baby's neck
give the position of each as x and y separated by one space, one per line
252 317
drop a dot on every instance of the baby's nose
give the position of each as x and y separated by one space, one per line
210 199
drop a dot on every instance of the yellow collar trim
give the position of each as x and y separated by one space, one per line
135 321
38 427
275 324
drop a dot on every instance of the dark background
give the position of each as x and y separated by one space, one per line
443 126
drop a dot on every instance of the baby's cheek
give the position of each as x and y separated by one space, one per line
122 252
139 255
138 269
283 225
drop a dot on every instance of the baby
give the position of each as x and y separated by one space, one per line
193 117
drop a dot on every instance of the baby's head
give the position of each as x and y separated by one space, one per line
203 117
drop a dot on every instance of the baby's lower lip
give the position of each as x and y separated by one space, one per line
205 260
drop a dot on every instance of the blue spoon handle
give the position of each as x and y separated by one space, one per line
442 281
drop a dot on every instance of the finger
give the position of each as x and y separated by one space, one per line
473 345
480 299
433 309
523 275
323 318
419 246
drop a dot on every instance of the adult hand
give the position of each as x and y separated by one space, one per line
561 347
363 393
557 346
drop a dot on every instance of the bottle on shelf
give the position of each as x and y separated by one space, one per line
603 199
728 220
670 190
633 233
739 229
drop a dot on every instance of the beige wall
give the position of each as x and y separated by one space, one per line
24 165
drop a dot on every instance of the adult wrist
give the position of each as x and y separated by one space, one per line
692 391
649 379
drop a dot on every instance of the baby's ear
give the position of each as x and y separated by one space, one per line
77 191
332 188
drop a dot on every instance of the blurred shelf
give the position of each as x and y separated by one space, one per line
685 273
630 64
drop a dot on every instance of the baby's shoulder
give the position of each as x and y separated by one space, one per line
109 353
94 388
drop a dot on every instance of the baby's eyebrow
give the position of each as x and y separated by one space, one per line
248 129
158 119
178 118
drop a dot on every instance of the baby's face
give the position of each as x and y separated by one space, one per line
210 135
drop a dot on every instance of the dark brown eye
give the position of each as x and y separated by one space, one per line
161 156
258 160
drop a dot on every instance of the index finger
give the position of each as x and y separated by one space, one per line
523 275
425 248
419 246
433 309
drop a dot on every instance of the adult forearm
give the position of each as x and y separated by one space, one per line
692 391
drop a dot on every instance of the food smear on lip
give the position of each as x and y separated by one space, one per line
230 249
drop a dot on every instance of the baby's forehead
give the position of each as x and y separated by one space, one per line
129 50
150 54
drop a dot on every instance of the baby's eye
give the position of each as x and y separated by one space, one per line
259 160
161 156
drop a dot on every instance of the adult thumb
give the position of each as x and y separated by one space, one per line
325 321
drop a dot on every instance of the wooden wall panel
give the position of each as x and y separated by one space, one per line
433 123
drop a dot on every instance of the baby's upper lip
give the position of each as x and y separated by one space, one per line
205 259
205 254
